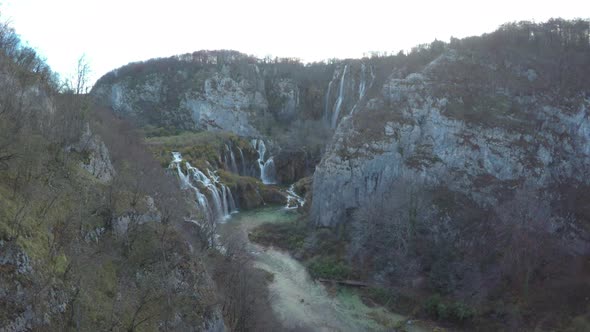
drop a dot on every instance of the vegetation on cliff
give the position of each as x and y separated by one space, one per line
79 251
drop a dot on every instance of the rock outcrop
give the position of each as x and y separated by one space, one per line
96 159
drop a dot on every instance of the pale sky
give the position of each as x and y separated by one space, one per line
113 33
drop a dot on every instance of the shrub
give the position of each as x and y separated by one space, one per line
461 312
381 295
580 324
452 311
329 268
288 235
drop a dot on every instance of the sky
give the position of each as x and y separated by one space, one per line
112 33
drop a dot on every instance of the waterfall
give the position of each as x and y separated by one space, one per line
220 195
177 157
267 167
233 208
363 83
233 167
268 171
293 200
186 184
243 161
327 107
339 100
225 207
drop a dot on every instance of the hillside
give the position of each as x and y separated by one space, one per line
92 230
464 177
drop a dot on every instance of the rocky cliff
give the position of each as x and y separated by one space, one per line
293 106
212 90
421 127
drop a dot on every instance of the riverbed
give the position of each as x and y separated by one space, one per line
298 301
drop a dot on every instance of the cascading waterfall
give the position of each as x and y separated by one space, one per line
186 184
340 99
221 196
293 200
267 167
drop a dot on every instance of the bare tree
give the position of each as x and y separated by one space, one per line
385 229
78 82
523 234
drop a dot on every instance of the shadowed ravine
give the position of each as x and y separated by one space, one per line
297 300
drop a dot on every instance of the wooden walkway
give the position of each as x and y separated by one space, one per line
351 283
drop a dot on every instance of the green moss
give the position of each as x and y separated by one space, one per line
580 324
60 264
233 180
200 149
151 131
107 275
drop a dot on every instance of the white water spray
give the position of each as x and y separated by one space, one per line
243 161
294 201
220 195
327 106
340 99
267 166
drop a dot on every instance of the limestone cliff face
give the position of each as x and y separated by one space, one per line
423 128
216 90
218 102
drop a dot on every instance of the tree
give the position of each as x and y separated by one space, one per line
77 84
384 230
523 231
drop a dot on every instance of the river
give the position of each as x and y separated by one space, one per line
298 301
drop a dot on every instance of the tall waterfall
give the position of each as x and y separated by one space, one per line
220 195
345 80
340 99
327 107
267 166
363 83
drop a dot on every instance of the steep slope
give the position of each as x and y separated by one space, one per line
465 176
92 232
